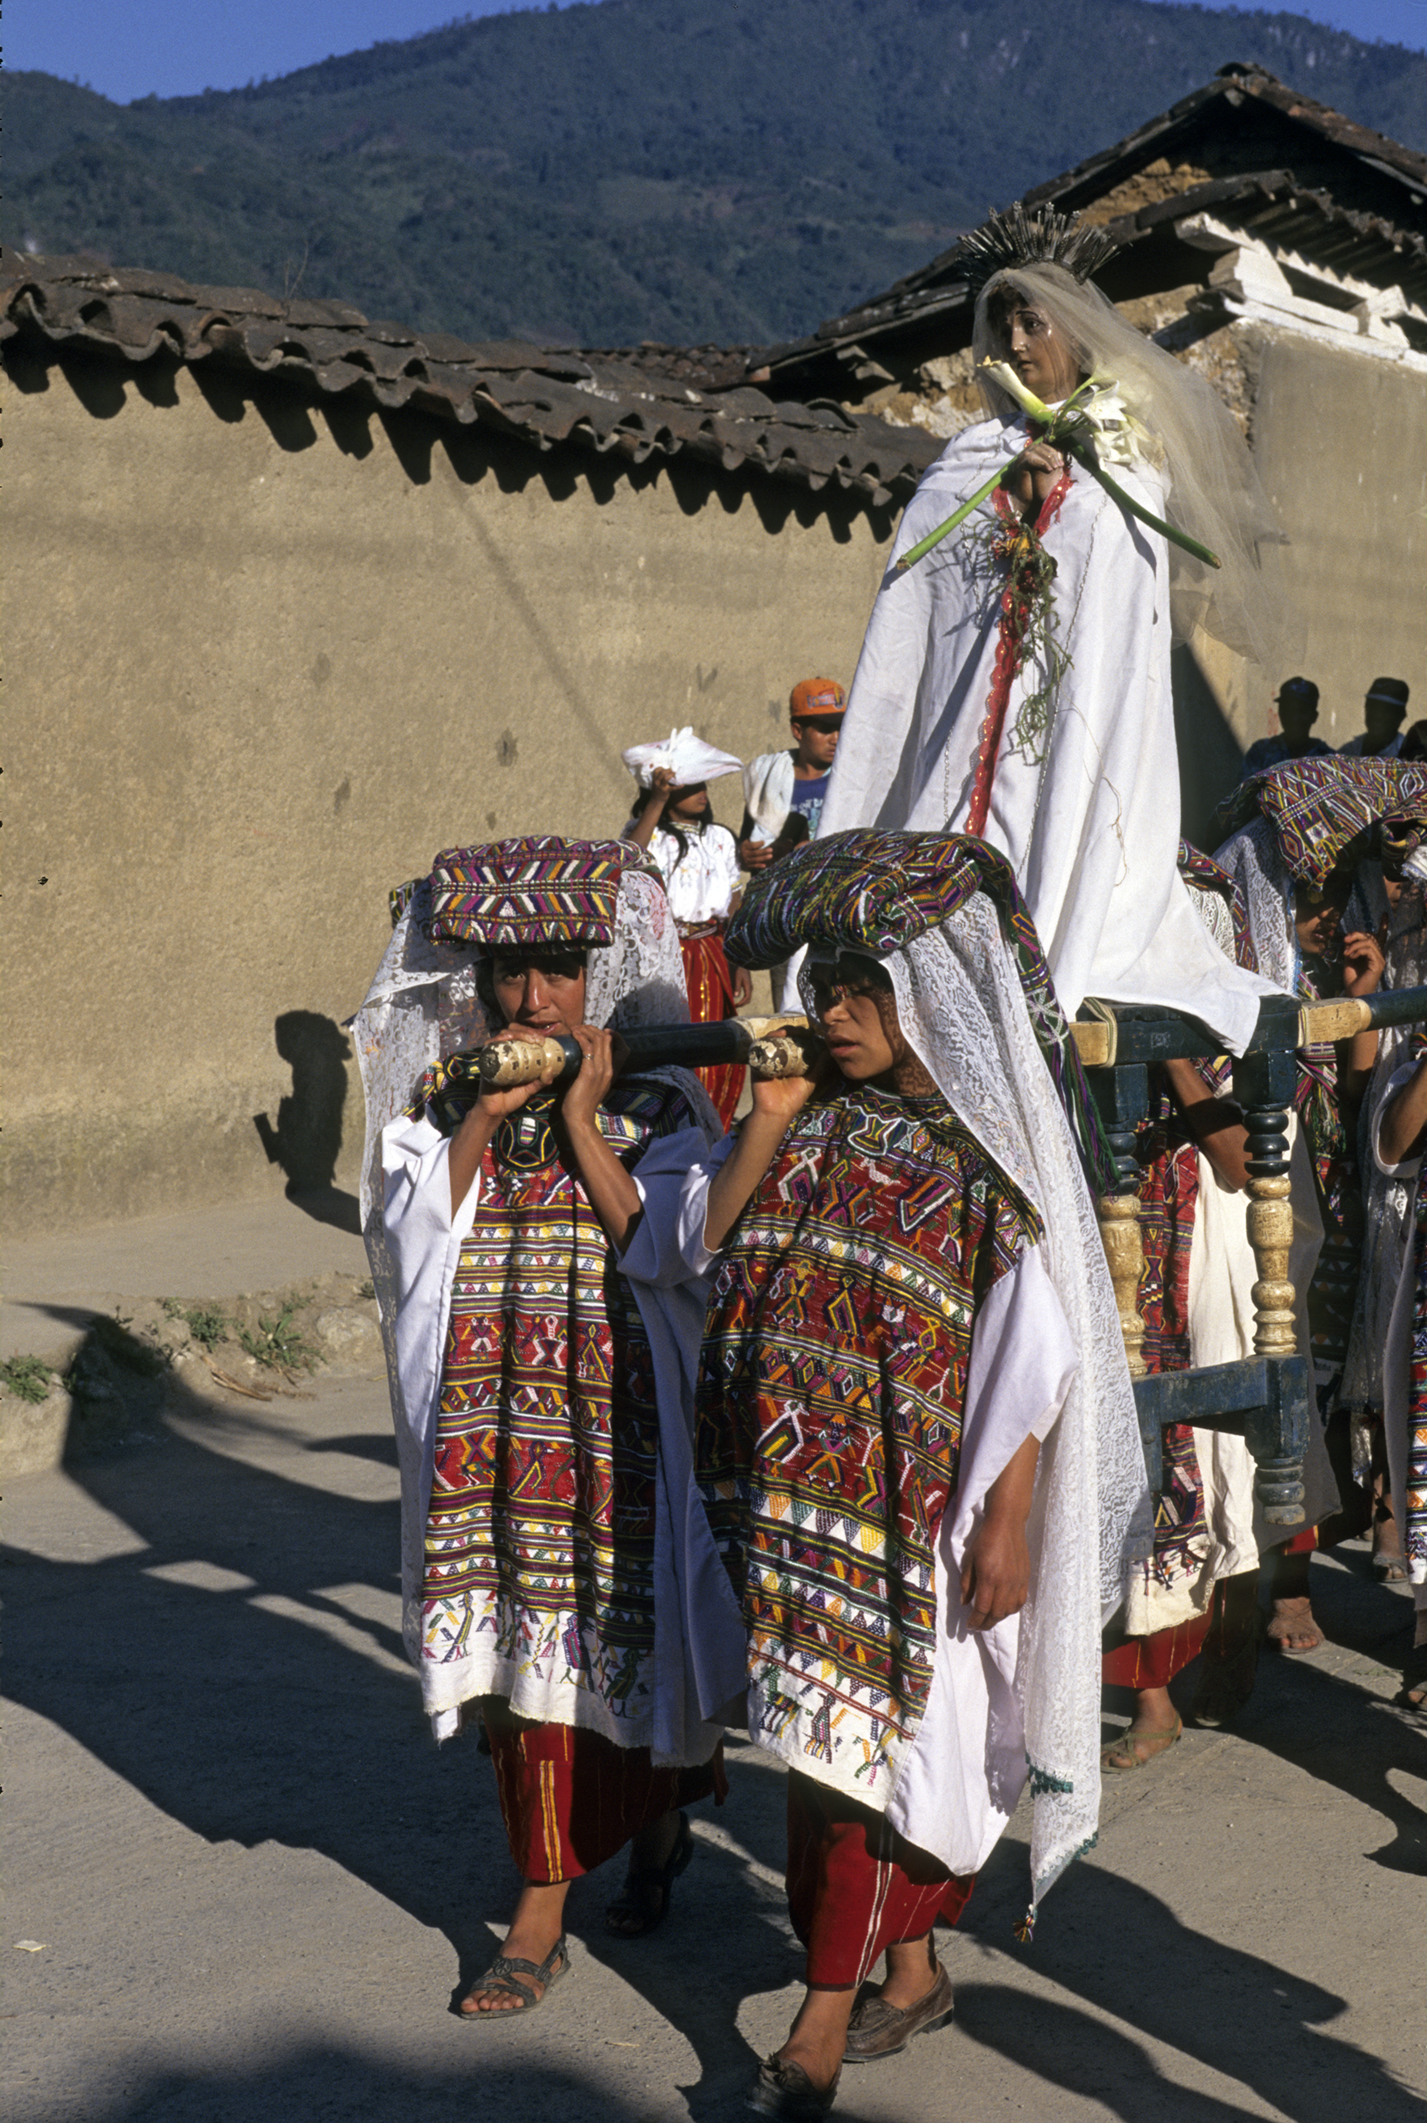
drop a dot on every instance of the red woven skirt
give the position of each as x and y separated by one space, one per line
855 1887
710 985
570 1798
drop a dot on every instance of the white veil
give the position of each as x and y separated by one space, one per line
962 1006
1214 492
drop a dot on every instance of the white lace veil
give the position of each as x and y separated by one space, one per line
424 1004
963 1009
1214 491
1263 885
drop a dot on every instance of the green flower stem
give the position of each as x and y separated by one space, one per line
1084 454
1112 487
943 530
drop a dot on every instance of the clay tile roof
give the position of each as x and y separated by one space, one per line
1355 161
641 403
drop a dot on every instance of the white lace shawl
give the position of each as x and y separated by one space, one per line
962 1008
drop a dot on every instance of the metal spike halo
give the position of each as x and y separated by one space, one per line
1041 237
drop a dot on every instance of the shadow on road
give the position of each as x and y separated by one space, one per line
231 1671
1082 2056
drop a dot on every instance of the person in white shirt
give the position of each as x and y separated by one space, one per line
784 792
698 860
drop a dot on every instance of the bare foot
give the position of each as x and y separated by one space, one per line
1293 1627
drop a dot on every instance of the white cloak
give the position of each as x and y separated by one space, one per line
1091 826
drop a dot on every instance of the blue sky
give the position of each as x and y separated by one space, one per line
128 48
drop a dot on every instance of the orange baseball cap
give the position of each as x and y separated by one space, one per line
816 696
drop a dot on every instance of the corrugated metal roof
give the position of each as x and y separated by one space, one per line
550 398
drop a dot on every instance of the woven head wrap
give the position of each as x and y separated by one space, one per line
1299 822
603 896
877 892
536 890
1323 812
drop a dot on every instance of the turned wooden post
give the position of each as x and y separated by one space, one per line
1122 1095
1264 1085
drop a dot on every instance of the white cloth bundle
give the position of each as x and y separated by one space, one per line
686 755
768 793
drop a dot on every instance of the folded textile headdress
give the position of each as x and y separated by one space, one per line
540 889
1040 237
687 756
1323 812
877 892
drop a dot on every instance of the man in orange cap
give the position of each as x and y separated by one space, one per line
784 791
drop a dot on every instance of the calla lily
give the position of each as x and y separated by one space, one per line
1091 426
1004 376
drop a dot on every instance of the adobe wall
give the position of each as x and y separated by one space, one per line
1340 440
264 660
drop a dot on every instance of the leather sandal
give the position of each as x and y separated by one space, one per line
1123 1754
783 2089
878 2029
503 1977
643 1902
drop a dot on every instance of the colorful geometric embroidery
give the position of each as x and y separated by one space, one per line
540 1534
1318 808
537 890
1169 1194
831 1389
399 898
877 892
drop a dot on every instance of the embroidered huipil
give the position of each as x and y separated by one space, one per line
831 1392
538 1582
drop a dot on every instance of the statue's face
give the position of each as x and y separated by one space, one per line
1035 347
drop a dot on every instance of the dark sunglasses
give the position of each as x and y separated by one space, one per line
823 724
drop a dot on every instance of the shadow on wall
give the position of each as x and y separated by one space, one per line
308 1135
474 453
1210 757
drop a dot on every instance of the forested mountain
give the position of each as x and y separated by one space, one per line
681 170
